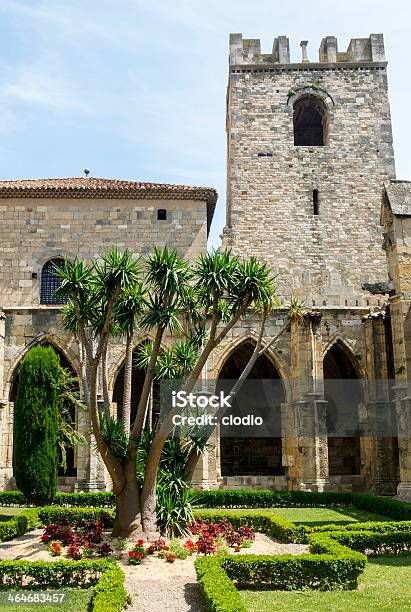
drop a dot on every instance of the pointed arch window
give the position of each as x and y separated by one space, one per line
310 122
50 282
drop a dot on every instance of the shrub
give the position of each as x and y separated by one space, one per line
19 524
75 516
239 498
219 592
290 572
109 592
373 543
36 424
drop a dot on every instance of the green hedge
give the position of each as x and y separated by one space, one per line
18 525
54 514
74 500
104 574
290 572
373 543
240 498
109 592
375 526
218 590
218 576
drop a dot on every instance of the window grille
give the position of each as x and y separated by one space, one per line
50 282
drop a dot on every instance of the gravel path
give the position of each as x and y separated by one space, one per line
155 585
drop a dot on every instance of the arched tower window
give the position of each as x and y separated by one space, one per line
310 122
50 282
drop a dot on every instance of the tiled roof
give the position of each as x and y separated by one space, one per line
399 197
82 187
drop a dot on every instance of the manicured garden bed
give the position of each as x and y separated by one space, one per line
385 585
337 528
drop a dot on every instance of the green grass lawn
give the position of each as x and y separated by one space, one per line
8 512
78 600
384 586
319 516
315 516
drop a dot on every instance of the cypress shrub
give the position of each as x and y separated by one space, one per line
36 424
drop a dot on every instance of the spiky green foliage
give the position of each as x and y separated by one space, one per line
36 419
68 436
115 436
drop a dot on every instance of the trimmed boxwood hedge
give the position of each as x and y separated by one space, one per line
18 525
74 500
104 574
244 498
334 566
53 514
241 498
335 559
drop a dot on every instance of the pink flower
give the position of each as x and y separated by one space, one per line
139 556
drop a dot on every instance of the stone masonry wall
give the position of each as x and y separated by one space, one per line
325 258
33 231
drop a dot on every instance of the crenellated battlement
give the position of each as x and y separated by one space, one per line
248 51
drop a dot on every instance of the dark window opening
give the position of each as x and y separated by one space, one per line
50 282
316 205
161 214
310 122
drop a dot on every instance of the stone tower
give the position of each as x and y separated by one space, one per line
309 149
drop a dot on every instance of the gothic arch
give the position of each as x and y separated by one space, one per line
343 343
66 357
229 347
344 392
43 338
251 450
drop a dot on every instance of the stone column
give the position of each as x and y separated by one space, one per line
6 420
401 338
304 422
378 442
91 471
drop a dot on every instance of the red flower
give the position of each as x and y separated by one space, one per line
139 556
170 558
45 537
131 553
56 547
166 547
140 542
189 544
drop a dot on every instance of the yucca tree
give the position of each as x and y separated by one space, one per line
195 305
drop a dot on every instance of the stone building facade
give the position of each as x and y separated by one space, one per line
46 220
311 190
309 150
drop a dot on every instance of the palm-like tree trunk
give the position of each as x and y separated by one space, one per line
128 378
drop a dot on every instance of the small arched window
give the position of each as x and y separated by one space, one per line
161 214
50 282
310 122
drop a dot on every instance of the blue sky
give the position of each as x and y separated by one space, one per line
136 89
